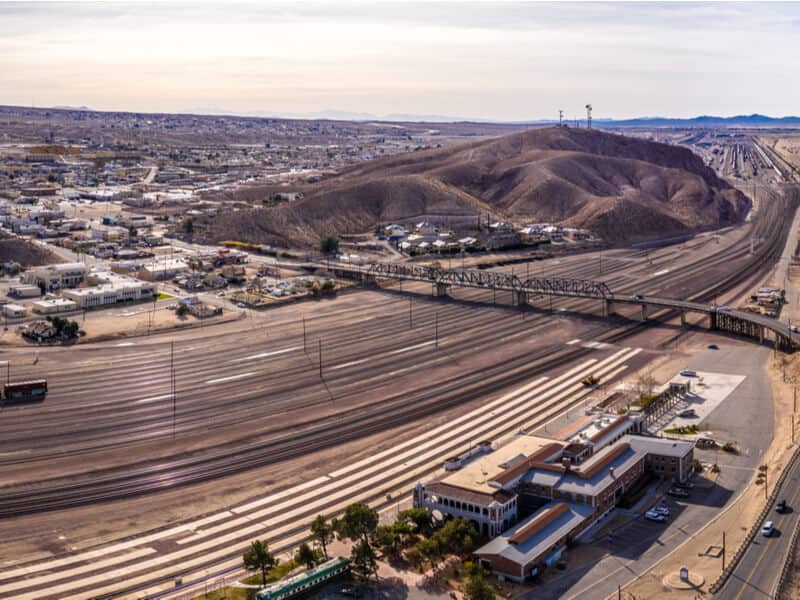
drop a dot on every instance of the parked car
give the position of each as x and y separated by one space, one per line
781 507
713 347
662 510
689 373
705 443
768 529
678 492
688 413
654 516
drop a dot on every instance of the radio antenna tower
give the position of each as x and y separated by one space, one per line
588 116
560 117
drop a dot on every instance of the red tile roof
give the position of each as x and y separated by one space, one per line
523 466
539 523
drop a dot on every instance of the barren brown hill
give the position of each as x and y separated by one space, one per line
622 188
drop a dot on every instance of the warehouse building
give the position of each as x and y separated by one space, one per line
14 311
52 306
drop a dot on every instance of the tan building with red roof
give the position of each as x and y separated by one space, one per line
558 487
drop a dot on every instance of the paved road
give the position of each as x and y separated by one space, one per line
756 575
639 544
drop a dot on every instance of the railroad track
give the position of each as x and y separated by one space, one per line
247 454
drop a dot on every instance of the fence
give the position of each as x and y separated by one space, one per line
755 528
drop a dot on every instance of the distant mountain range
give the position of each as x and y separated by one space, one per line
754 120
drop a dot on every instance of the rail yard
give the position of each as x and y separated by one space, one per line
249 399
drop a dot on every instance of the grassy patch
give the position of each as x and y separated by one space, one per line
645 400
683 429
235 593
164 296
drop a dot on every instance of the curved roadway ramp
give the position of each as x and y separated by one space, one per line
758 573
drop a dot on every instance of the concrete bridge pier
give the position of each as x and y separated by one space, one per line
761 335
683 318
522 298
440 290
644 311
712 321
608 308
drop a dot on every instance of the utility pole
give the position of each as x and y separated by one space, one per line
172 378
588 116
560 117
723 551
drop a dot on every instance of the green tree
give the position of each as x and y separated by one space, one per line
359 522
258 558
329 244
322 531
431 550
363 562
182 309
478 588
306 556
70 329
420 517
761 479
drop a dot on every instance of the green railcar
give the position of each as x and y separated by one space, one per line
302 582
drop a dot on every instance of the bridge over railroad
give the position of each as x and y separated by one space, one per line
738 322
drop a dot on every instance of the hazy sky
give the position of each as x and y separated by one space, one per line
482 60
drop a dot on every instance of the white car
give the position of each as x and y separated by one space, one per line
768 529
662 510
652 515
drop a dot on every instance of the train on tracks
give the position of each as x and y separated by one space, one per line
299 584
23 392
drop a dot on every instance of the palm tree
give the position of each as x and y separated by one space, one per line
258 558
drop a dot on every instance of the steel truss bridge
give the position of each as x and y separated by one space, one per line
725 319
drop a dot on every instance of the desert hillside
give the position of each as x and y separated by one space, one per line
623 189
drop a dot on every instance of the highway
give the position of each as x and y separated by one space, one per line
759 569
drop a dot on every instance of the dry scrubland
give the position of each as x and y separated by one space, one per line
25 253
789 149
622 188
